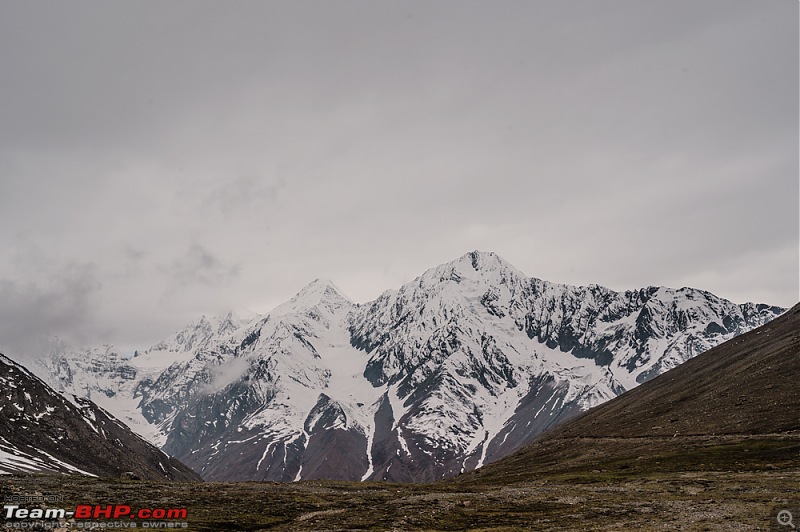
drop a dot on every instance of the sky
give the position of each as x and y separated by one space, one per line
164 160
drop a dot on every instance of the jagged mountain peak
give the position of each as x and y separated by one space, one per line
485 260
197 334
482 262
319 292
222 321
472 271
322 287
234 319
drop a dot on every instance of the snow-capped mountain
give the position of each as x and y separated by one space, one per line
43 431
455 369
108 378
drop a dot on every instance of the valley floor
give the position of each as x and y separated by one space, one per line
594 500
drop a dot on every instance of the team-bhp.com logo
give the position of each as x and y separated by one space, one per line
86 516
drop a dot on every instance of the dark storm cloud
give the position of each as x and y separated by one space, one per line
213 155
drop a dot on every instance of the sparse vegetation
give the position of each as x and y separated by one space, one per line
581 500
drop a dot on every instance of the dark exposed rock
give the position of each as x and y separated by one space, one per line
46 432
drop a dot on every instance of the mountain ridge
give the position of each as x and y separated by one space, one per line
732 407
455 369
43 431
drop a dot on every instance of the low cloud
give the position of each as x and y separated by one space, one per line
33 314
225 374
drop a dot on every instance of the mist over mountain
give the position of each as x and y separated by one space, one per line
453 370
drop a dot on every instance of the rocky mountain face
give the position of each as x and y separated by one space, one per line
734 407
454 370
43 431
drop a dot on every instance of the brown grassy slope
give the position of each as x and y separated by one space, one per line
737 406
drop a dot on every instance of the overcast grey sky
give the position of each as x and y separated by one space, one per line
161 160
